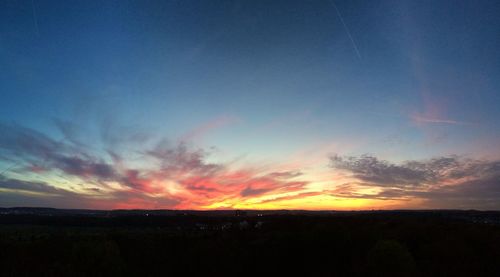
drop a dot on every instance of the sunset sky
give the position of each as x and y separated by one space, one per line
250 104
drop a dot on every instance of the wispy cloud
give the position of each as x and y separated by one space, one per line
170 174
419 119
205 128
42 170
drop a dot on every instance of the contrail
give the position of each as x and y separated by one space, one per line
35 20
346 28
10 167
421 119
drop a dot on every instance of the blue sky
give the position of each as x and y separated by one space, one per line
256 85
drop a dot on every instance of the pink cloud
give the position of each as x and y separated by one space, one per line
205 128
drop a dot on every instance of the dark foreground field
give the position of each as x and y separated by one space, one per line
141 243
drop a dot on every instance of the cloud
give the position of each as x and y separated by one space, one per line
180 175
234 187
273 182
168 175
28 186
18 141
15 192
68 130
249 191
370 169
42 153
181 158
84 167
452 181
299 195
414 173
115 136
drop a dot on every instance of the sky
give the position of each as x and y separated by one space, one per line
249 104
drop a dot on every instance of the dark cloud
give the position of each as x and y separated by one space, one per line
37 187
370 169
182 158
39 151
85 168
40 194
413 173
285 174
451 181
19 141
249 191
